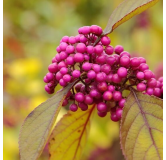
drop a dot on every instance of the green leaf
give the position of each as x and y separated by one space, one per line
38 125
141 130
126 10
69 136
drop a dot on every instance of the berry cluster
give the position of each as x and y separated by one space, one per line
103 72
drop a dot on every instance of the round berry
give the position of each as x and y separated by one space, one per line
118 49
78 87
124 61
61 64
91 74
78 57
119 113
72 40
109 78
76 73
117 96
63 70
86 66
122 72
157 92
63 55
65 102
88 99
135 62
111 88
149 91
116 78
62 82
107 95
114 117
101 59
70 49
49 76
105 41
90 49
63 46
96 68
122 103
98 49
141 87
109 50
81 47
143 67
148 74
101 107
83 106
70 60
102 86
106 68
79 97
102 114
101 76
67 78
53 67
58 76
152 82
125 53
73 107
140 75
45 79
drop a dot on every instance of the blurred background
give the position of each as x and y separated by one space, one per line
33 29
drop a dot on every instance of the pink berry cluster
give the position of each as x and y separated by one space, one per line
103 73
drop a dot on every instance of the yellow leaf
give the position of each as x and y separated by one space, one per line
70 134
141 129
126 10
38 125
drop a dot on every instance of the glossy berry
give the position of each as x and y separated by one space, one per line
73 107
101 107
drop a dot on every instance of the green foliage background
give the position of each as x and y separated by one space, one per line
33 29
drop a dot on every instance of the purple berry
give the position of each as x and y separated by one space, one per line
105 41
135 62
65 39
94 93
102 86
86 57
118 49
110 60
57 57
117 96
109 50
85 30
53 67
86 66
88 99
45 79
83 106
73 107
116 78
101 107
101 76
122 103
90 49
63 55
109 78
83 39
78 57
96 68
152 83
67 78
140 75
98 49
149 91
143 67
124 61
111 88
102 114
119 113
63 46
122 72
72 40
81 47
148 74
79 97
76 73
95 29
91 74
70 49
114 117
58 76
141 87
62 82
78 87
107 95
65 102
58 49
125 53
70 60
63 70
157 92
49 76
101 59
106 68
61 64
142 60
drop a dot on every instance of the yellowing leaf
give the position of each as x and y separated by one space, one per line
70 134
38 125
126 10
141 129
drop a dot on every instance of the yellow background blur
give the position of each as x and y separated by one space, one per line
33 29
